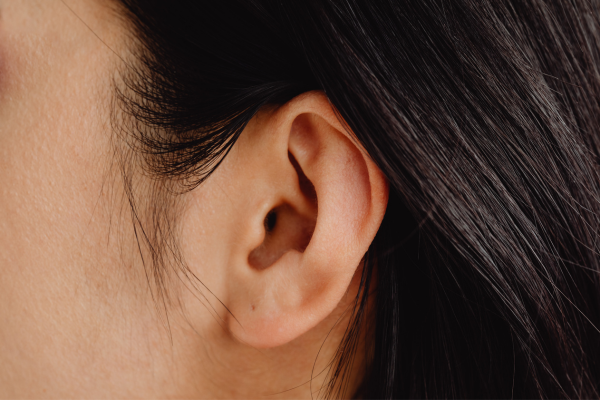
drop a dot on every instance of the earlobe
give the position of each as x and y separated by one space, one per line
320 213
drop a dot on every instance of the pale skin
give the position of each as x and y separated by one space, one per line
78 318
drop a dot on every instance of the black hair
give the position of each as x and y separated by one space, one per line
484 117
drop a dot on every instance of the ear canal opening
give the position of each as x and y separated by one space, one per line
270 221
285 227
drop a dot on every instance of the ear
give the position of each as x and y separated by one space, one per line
313 203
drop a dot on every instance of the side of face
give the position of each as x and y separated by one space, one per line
272 241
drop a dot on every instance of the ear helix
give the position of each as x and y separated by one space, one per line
297 276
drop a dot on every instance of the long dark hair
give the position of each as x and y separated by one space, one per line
484 117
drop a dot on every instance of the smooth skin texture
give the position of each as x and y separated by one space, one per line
77 317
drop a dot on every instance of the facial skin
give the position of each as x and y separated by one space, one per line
77 315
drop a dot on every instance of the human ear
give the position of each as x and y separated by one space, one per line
313 201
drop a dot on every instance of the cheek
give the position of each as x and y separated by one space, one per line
208 223
54 158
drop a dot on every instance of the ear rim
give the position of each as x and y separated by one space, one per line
283 322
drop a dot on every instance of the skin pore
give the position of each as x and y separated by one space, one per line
77 315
